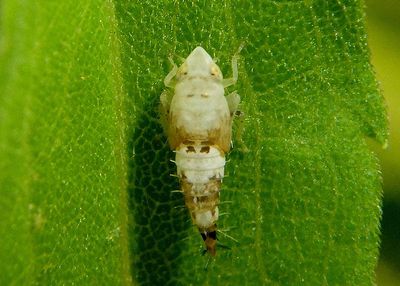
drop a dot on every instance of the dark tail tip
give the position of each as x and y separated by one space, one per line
210 240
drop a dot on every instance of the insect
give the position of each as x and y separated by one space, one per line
198 122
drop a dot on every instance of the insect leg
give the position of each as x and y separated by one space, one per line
231 81
233 100
239 131
165 102
169 80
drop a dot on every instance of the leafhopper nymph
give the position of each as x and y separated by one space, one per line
198 121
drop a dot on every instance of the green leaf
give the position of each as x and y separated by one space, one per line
84 165
63 155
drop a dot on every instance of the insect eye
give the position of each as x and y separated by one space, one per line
214 71
182 73
183 70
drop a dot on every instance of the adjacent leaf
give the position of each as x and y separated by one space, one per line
62 145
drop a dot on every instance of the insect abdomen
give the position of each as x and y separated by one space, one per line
200 169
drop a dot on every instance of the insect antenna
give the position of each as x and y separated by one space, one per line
241 46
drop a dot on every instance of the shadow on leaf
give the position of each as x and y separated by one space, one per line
158 220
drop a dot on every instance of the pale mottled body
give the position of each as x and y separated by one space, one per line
198 122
